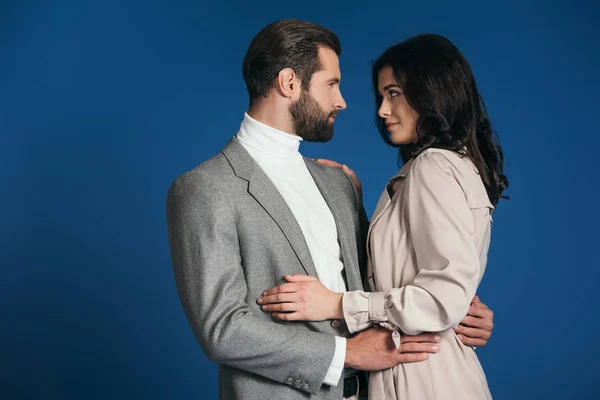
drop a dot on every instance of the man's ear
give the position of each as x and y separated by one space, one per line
288 84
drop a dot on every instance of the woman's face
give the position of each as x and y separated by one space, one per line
400 118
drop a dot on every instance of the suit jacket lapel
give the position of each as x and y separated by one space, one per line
344 222
266 194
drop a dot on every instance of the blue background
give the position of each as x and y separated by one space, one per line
104 103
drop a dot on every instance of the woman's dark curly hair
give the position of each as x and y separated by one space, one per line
438 84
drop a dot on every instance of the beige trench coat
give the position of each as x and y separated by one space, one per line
427 246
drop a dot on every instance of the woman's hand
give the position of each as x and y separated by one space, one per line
344 168
304 298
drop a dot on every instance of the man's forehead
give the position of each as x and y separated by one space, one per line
327 54
328 73
330 64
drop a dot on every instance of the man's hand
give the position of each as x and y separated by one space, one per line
476 328
373 349
344 168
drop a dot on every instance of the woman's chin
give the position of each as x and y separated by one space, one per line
399 140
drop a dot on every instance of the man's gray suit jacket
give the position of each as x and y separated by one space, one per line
232 236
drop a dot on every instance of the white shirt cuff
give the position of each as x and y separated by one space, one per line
337 363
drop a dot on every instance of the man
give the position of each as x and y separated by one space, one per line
258 211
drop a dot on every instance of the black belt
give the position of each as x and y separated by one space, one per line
353 382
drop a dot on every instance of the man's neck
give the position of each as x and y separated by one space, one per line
268 140
273 114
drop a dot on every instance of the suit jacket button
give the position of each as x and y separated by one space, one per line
306 386
297 383
335 323
289 381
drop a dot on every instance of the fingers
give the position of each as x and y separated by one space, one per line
405 358
480 305
277 298
279 307
419 348
424 337
474 333
299 278
476 303
348 171
283 288
478 312
329 163
472 341
344 168
476 328
353 177
290 287
336 164
294 316
482 323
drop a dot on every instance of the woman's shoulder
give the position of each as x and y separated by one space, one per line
450 165
447 160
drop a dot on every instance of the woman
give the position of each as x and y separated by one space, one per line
430 233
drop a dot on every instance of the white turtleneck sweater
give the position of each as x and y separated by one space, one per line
276 153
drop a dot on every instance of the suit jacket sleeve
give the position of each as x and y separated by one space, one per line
205 250
442 229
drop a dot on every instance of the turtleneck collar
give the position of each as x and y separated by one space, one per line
267 139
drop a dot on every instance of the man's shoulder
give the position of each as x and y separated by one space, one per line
335 178
211 176
334 174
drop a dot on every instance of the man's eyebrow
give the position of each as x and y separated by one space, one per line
333 80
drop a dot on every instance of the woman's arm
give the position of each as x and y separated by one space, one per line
442 230
305 298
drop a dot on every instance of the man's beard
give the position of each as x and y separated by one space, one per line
310 121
